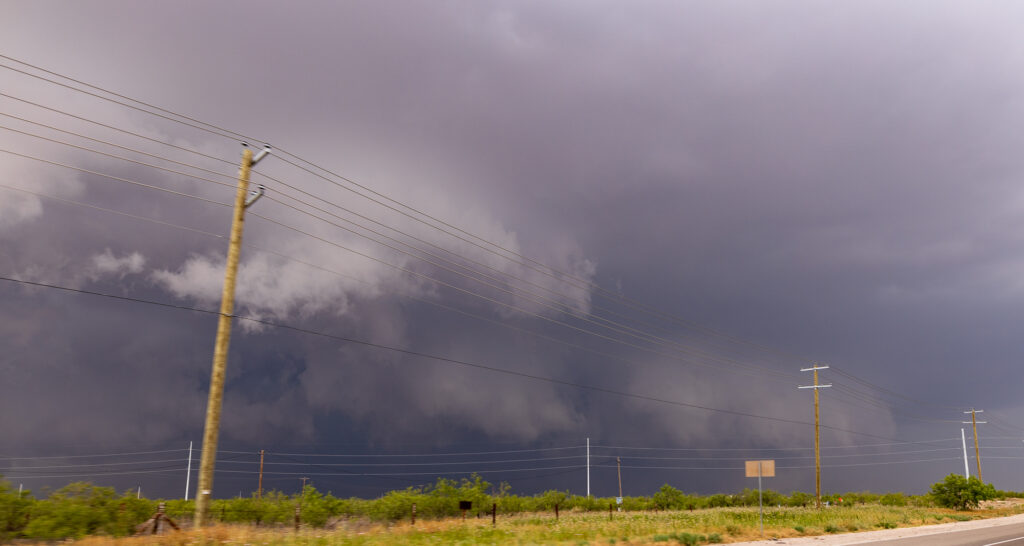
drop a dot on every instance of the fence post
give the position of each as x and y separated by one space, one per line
610 505
414 513
556 511
298 517
494 514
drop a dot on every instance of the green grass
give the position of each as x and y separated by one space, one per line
576 527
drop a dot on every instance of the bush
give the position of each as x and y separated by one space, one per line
961 493
669 498
14 510
80 509
893 499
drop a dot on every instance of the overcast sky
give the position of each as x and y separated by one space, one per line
687 201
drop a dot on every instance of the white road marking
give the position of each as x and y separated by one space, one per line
1005 541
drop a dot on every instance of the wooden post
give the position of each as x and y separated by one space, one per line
298 517
556 511
817 444
414 513
494 514
156 519
211 429
977 450
610 505
259 488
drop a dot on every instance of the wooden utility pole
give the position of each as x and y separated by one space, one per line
817 430
259 488
974 424
211 430
618 464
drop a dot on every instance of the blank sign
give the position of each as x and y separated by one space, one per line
765 469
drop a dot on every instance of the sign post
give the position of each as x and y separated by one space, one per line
760 469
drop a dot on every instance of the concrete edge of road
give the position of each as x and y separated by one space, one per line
866 537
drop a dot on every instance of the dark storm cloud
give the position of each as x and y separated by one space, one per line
836 181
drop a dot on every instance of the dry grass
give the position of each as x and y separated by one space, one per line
722 524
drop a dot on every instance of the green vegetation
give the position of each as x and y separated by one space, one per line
82 509
962 493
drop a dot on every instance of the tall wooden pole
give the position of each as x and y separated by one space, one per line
817 443
817 430
974 425
259 488
618 464
211 429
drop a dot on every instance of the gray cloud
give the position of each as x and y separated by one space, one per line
837 181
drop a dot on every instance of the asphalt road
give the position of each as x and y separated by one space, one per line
1010 535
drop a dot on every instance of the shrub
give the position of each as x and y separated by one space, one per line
799 498
893 499
961 493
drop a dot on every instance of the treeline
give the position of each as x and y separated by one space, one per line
81 509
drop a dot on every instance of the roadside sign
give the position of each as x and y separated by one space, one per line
764 469
760 469
618 500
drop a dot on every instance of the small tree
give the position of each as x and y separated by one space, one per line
962 493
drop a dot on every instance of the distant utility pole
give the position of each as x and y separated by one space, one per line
211 431
963 442
588 468
974 422
618 463
817 431
259 488
188 469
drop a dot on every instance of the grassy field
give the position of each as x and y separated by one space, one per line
710 526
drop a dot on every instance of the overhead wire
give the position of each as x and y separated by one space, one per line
615 327
107 143
112 177
231 134
438 358
204 126
284 256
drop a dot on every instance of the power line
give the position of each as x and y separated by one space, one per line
440 358
439 474
105 142
548 270
619 328
880 463
169 224
108 99
846 455
96 474
449 454
220 131
112 177
6 458
142 163
432 463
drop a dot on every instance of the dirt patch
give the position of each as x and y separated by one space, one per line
1005 503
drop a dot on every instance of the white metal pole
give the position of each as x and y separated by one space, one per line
588 468
963 440
139 494
188 472
760 503
19 489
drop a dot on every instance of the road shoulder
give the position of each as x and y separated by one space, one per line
867 537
